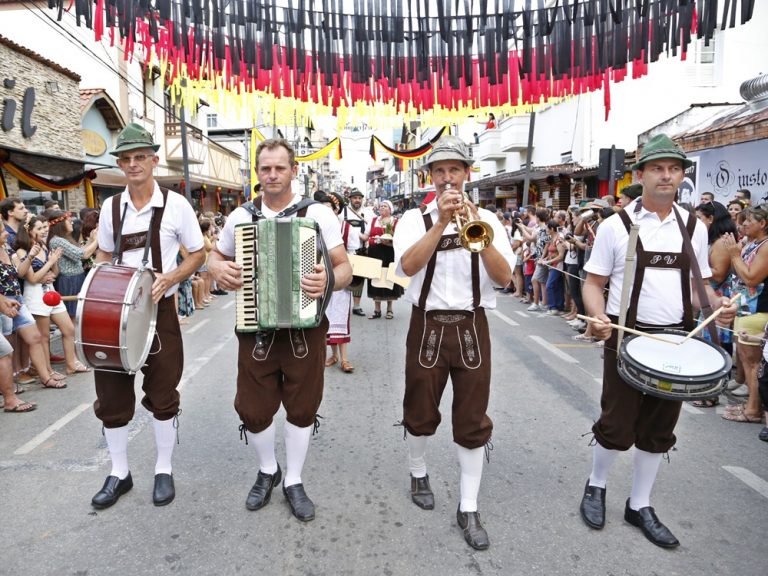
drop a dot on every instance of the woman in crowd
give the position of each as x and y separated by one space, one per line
380 247
574 260
735 207
718 221
552 258
340 305
12 266
90 221
750 268
37 281
71 273
207 228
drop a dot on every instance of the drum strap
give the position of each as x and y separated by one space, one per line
450 242
147 239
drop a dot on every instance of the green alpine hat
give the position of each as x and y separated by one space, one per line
661 146
633 191
133 137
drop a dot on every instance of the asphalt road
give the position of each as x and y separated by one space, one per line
713 494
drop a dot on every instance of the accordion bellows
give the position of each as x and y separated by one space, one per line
275 253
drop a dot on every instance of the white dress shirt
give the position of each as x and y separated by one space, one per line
660 296
451 287
178 227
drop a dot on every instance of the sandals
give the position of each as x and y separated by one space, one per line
22 407
706 402
79 369
389 315
347 367
739 414
376 314
52 382
332 360
583 338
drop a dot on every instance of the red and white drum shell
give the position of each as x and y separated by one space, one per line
116 318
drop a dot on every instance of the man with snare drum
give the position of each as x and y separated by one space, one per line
661 297
281 366
143 214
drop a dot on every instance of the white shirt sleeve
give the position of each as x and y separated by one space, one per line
407 232
106 232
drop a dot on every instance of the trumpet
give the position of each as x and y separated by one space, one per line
474 235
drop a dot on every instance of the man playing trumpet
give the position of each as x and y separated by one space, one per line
450 289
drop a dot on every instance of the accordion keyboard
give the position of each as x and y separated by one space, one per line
247 313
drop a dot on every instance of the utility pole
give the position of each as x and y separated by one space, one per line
184 149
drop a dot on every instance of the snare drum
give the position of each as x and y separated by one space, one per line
116 317
692 370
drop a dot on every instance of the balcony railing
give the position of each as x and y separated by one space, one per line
173 148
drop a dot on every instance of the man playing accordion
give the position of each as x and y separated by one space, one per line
282 366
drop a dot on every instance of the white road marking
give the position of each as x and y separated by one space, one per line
752 480
599 381
197 327
550 348
506 319
228 305
52 429
521 313
190 371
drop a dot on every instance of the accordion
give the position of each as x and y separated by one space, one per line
275 254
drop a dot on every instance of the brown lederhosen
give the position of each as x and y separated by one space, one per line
444 343
629 416
277 366
115 397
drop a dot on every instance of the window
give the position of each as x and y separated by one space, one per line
212 120
700 69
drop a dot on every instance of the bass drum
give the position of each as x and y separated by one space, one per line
116 318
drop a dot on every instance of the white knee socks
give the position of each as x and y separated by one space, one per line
602 460
471 464
117 442
417 448
646 468
264 444
296 447
165 439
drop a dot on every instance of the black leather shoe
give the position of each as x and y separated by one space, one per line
593 506
358 312
301 506
164 491
111 491
421 493
261 491
652 528
474 533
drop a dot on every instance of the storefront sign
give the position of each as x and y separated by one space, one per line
730 168
93 143
9 110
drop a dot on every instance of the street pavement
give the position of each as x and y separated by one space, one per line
713 493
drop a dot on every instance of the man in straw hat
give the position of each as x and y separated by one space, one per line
143 213
450 290
661 298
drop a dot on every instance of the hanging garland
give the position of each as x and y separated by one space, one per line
400 54
45 184
412 154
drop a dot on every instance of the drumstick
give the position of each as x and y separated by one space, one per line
625 329
708 319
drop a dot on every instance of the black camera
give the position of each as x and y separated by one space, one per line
569 236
